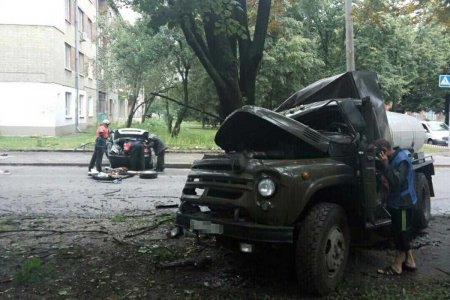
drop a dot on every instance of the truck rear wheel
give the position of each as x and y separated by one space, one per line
422 213
322 248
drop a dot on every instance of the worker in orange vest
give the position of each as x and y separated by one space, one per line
102 135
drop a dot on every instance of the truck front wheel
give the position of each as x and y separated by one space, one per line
422 212
322 248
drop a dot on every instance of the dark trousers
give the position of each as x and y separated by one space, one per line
160 161
97 158
402 228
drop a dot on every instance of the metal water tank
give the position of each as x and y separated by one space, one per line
407 132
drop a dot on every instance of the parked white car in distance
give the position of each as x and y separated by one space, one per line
437 132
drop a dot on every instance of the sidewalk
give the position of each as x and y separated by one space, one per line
174 159
179 159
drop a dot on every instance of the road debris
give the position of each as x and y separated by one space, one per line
195 263
5 172
161 206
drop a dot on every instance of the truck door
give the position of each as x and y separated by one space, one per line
368 184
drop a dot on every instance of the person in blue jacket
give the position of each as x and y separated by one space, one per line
396 166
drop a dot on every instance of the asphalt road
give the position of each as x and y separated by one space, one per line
69 191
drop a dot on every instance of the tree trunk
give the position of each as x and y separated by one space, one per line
169 118
131 112
148 102
218 60
251 52
133 99
182 113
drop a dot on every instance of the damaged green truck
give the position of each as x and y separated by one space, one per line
304 175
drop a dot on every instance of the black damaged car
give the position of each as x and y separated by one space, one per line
135 149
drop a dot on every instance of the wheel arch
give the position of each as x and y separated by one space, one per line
340 196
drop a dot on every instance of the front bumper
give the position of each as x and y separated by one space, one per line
440 142
245 231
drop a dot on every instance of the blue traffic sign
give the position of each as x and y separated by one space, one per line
444 81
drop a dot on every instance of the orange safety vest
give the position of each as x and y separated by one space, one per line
104 129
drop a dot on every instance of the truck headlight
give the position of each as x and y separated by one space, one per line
266 187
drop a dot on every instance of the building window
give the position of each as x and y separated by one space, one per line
68 102
82 66
68 4
89 29
68 60
81 107
90 70
90 106
80 19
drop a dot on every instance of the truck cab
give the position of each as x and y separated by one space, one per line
302 175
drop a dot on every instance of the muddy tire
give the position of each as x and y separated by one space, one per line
422 212
322 248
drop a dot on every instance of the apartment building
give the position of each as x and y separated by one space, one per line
48 76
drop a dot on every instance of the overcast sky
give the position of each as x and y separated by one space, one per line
129 14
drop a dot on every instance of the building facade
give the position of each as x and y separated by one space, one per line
48 78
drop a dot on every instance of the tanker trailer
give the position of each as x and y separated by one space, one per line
407 132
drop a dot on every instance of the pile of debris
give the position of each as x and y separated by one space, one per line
116 175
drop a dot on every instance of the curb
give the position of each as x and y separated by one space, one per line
90 151
167 165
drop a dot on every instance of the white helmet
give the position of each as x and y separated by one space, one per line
105 121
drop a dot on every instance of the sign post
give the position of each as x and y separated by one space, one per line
444 82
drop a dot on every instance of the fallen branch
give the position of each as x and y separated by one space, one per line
445 272
199 263
54 231
144 230
6 280
113 192
122 242
160 206
139 216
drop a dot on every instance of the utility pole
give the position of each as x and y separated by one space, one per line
349 46
77 66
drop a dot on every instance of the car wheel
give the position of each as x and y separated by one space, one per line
430 142
422 213
148 174
322 248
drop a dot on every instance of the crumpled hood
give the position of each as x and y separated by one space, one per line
254 128
356 84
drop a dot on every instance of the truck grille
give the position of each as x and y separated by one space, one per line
218 186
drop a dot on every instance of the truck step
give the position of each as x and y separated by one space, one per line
378 223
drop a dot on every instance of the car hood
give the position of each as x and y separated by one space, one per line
250 127
356 84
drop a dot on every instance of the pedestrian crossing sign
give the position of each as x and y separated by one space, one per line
444 81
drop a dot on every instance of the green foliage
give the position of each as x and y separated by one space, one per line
407 54
164 218
192 136
405 42
324 21
119 218
32 271
290 62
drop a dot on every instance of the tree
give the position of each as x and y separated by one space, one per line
221 36
324 19
405 49
291 61
134 58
